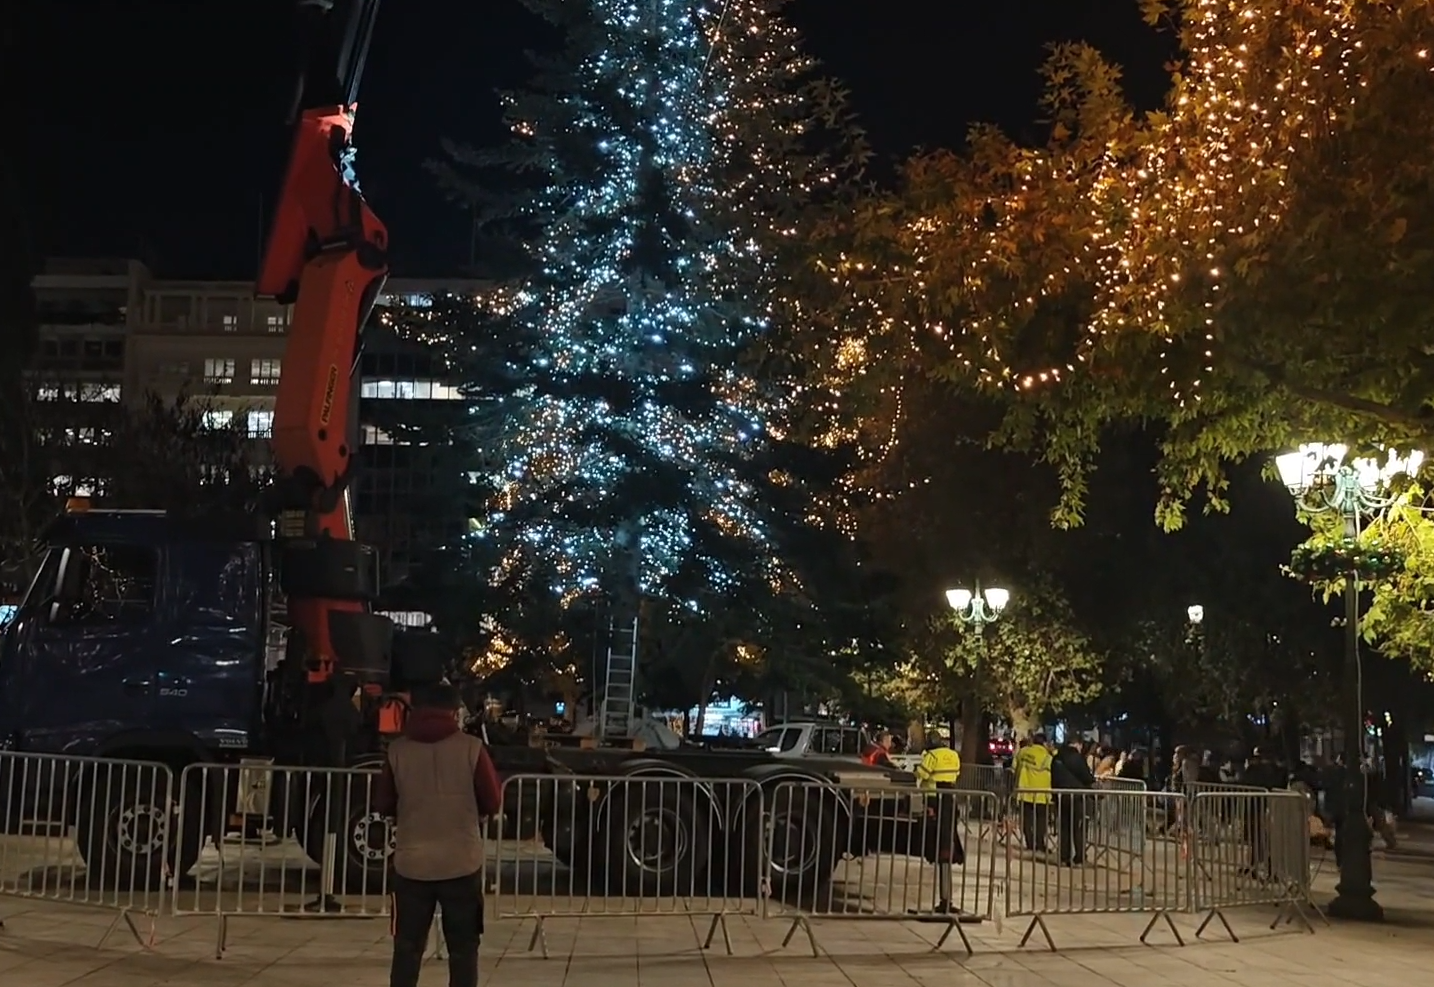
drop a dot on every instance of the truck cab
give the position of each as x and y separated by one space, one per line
141 633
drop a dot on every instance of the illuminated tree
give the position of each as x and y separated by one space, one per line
671 144
1248 267
638 430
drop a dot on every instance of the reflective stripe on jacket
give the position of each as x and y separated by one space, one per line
939 768
1033 773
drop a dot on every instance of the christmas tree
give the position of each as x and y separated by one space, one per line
629 444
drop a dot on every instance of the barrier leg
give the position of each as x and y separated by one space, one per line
124 916
221 935
956 928
1215 913
1169 922
800 921
718 921
1037 922
539 937
1291 910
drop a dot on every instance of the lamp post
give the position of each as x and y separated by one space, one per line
977 609
1322 481
1195 613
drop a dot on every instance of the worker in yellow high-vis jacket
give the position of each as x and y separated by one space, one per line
1032 767
940 765
938 772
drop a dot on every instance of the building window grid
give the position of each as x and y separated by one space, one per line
219 370
409 390
264 370
261 424
90 393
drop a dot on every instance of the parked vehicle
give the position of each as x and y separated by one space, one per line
807 738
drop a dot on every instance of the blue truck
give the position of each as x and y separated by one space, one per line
146 637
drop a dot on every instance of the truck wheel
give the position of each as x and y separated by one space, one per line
121 832
572 840
363 841
803 833
655 837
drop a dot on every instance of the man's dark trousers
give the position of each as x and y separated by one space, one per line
461 902
1072 826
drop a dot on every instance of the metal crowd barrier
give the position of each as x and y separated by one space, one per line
278 841
620 845
1249 848
87 831
993 778
880 853
1089 853
256 840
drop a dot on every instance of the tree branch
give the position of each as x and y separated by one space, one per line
1419 424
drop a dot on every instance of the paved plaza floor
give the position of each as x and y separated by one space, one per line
45 945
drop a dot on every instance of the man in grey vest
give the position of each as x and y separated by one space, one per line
438 783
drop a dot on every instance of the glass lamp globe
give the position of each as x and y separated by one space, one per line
959 599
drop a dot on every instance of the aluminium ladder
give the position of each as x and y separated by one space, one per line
620 685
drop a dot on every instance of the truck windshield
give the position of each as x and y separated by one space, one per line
779 739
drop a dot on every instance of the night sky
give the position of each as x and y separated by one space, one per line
156 128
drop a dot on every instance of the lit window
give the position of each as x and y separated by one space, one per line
218 418
219 371
275 323
261 424
372 435
48 392
99 392
408 618
409 390
231 323
265 371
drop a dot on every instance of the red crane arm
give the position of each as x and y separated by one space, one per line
327 254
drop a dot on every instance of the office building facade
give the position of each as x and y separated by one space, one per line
110 334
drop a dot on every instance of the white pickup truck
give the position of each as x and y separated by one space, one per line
820 738
824 738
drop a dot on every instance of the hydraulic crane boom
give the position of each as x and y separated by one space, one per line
327 254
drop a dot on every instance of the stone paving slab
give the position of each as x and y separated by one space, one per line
51 946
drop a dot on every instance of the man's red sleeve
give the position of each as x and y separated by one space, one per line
385 792
486 787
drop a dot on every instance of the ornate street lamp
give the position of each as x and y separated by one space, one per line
977 609
1322 481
